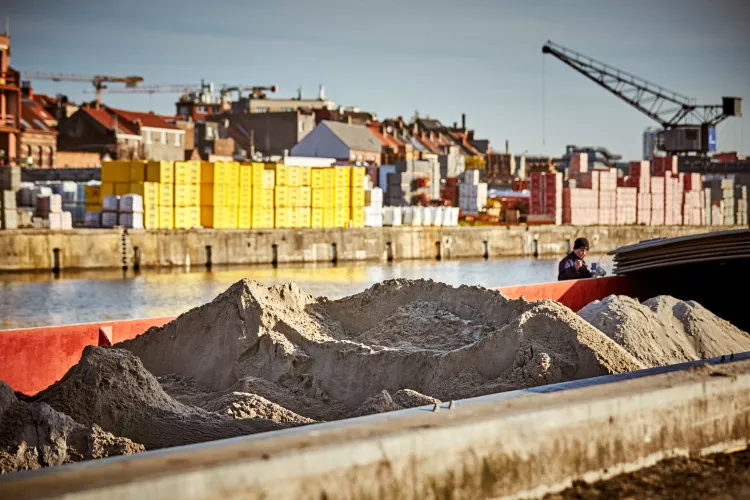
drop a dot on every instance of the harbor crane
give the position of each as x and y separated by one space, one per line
98 81
688 128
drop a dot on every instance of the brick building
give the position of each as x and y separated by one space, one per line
10 104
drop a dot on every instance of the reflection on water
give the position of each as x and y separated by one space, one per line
36 299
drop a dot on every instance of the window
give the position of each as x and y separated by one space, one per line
261 110
39 156
156 136
178 139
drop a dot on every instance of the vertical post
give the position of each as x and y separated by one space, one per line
485 250
389 251
136 258
208 257
55 260
274 255
438 251
334 253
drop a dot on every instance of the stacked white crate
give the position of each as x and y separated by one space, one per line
373 207
131 211
110 207
472 194
392 216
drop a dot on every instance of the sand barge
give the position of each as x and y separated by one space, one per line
664 330
332 356
110 388
34 435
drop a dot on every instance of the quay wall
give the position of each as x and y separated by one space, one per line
38 250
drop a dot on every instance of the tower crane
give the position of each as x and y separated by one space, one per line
688 128
98 81
257 92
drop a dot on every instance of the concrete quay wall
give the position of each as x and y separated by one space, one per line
30 250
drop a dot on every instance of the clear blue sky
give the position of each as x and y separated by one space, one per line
481 57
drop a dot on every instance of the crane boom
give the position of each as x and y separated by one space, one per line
97 81
670 109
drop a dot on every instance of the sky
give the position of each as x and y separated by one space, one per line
438 57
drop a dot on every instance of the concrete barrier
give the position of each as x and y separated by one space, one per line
28 250
523 446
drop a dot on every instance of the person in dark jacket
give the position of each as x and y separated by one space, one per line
573 267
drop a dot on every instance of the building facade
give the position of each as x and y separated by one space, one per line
10 105
344 142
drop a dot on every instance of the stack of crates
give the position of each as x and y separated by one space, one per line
245 200
93 197
220 194
149 191
115 178
264 184
281 201
357 199
161 173
322 198
187 194
342 182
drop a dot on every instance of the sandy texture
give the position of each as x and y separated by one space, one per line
232 403
664 330
444 342
33 435
110 387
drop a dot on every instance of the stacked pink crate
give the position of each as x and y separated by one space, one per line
662 165
657 201
627 206
640 176
694 207
579 164
692 212
580 206
644 209
607 196
588 180
547 195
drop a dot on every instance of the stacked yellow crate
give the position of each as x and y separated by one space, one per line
233 193
149 191
161 173
264 183
115 178
93 198
357 198
342 196
281 199
213 195
245 203
187 194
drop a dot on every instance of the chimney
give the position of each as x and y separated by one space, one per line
26 90
455 125
463 121
322 93
507 146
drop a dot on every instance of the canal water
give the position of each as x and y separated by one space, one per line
41 299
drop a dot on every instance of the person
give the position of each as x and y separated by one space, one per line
573 267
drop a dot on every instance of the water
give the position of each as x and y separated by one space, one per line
40 299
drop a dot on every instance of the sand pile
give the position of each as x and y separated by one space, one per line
33 435
111 388
332 356
233 404
665 330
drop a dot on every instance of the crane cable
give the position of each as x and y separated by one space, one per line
544 114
